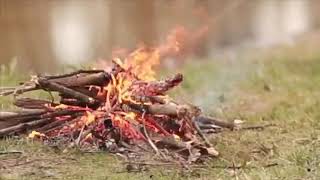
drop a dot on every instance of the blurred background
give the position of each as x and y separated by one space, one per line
40 35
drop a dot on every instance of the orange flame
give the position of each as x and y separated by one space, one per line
141 62
35 134
138 66
88 118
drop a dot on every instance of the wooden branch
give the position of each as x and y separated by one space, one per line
32 121
23 126
52 86
149 99
73 73
63 112
13 119
208 126
256 127
72 102
174 110
19 90
7 88
59 126
84 90
155 109
81 80
10 152
54 124
155 88
170 142
29 103
217 122
154 147
203 137
170 110
4 116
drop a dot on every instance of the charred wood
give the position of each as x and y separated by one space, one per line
156 88
58 123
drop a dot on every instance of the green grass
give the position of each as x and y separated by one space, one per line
281 88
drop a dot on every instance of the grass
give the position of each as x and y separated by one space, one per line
281 88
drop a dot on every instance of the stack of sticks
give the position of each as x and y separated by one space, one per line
95 108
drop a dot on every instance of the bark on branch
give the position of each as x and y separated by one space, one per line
52 86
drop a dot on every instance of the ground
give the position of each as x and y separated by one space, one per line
279 87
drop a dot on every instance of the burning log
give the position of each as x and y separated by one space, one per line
157 87
155 109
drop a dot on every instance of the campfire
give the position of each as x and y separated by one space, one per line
121 109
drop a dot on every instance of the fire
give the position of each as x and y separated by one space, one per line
182 42
88 118
35 134
122 105
132 80
140 64
142 61
137 70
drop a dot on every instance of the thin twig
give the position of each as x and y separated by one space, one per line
80 135
243 167
203 137
256 127
73 73
52 86
151 163
23 126
154 147
10 152
19 90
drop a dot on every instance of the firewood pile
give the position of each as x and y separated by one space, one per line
121 109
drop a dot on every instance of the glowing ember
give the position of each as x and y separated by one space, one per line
35 134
